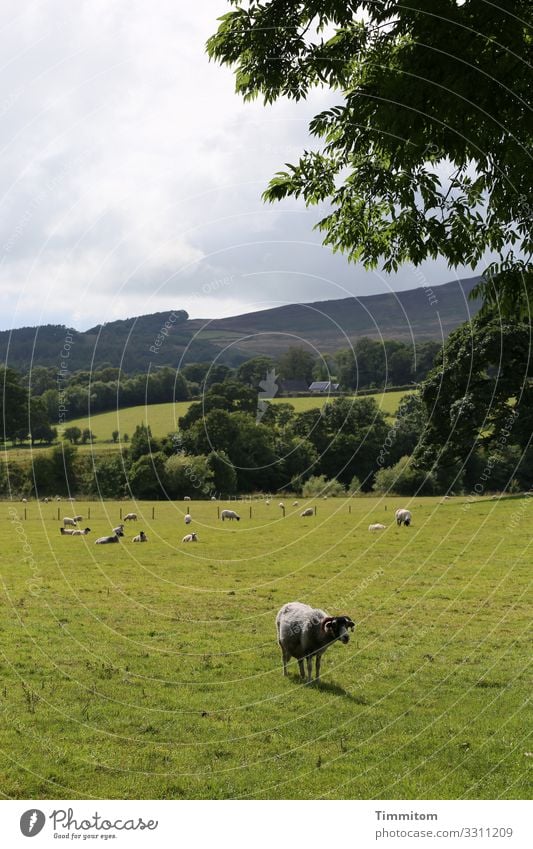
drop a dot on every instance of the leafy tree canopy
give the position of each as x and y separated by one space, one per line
426 152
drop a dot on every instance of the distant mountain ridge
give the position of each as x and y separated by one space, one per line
148 341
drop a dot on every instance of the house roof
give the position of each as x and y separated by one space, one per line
323 386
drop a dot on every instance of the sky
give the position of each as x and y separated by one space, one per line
131 174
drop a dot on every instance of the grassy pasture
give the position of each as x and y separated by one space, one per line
152 671
163 418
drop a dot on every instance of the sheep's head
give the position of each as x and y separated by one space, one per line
336 627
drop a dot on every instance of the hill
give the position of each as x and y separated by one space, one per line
136 344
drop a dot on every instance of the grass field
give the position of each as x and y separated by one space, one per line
152 671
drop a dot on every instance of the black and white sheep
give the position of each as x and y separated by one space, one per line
106 540
229 514
73 532
80 533
190 538
119 530
306 632
403 517
141 537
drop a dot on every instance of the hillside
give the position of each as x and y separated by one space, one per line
420 313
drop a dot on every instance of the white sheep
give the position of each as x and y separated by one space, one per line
295 504
229 514
188 518
305 632
141 537
79 532
78 518
308 512
186 497
403 517
190 538
106 540
377 527
68 522
130 517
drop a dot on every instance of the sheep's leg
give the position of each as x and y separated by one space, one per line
309 659
301 666
285 657
318 659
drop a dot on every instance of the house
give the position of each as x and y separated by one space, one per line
292 387
324 386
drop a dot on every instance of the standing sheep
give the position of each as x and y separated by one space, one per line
403 517
68 522
308 512
306 632
130 517
229 514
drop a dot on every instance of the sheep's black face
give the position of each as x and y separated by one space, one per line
340 627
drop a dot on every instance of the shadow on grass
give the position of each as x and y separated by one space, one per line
329 687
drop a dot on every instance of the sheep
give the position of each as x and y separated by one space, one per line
188 518
295 504
58 498
79 532
213 498
68 522
119 530
190 538
281 505
308 512
130 517
306 632
229 514
106 540
186 497
403 517
267 502
377 527
24 500
141 537
78 518
65 532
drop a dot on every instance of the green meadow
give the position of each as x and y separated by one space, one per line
152 671
163 418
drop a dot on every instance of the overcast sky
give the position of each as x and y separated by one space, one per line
131 174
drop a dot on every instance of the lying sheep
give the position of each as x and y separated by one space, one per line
308 512
229 514
403 517
119 530
130 517
305 632
141 537
295 504
377 527
190 538
68 522
188 518
106 540
80 532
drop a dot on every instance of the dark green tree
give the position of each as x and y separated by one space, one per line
13 405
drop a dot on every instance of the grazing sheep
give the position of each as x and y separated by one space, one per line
24 500
190 538
106 540
79 532
68 522
229 514
186 497
306 632
308 512
377 527
130 517
295 504
403 517
188 518
141 537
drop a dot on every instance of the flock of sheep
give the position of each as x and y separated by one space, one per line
303 632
